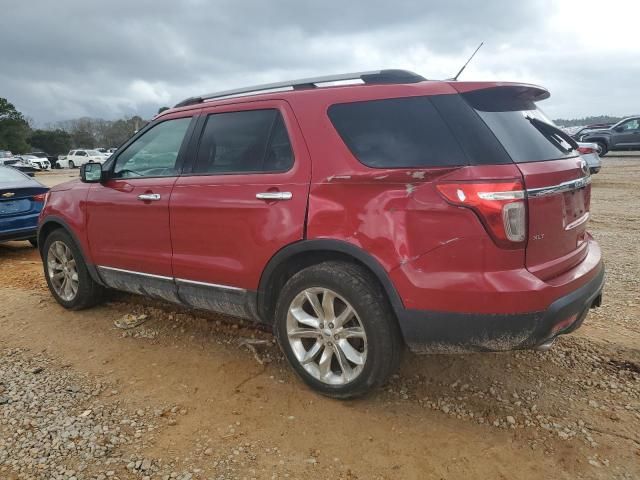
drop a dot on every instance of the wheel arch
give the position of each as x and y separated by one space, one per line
52 224
294 257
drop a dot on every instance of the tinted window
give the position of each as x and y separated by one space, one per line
155 153
630 125
396 133
522 128
247 141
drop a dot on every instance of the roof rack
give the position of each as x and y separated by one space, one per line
371 77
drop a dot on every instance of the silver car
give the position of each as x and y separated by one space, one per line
589 152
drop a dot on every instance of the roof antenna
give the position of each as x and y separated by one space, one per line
465 65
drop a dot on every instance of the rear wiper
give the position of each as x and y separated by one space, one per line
551 132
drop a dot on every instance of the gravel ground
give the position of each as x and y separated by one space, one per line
190 395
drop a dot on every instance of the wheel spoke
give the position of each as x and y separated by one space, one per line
57 275
344 317
311 353
315 304
325 362
303 333
328 300
351 353
304 318
347 371
352 332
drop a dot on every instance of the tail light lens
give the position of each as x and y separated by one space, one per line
586 150
39 197
501 206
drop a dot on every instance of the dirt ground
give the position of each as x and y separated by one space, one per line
187 398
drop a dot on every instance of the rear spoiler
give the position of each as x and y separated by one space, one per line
497 97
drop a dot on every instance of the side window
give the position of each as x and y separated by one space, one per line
81 153
397 133
155 153
245 141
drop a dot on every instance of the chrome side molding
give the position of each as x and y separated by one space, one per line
172 279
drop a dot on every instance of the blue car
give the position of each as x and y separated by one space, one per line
21 199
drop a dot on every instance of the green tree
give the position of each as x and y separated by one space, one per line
14 130
53 142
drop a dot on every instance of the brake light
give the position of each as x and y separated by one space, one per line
500 206
39 197
586 150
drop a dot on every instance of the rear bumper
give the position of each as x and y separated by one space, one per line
21 234
448 332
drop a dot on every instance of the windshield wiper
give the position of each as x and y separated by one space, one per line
552 132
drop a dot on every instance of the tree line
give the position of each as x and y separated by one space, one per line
17 135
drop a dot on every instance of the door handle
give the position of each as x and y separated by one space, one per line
146 197
274 196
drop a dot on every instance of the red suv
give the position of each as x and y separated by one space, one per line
353 213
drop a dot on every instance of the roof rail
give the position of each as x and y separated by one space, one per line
371 77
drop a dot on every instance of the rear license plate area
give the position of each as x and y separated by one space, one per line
12 207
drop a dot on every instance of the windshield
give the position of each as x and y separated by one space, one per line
524 130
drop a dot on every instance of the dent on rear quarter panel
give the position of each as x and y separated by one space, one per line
67 202
396 215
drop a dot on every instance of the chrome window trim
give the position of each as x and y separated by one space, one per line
172 279
560 188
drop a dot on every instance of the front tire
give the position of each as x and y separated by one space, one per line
71 164
66 273
337 330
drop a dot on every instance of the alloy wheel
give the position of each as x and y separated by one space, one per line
62 270
326 336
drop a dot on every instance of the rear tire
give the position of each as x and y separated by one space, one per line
71 164
350 342
66 273
603 148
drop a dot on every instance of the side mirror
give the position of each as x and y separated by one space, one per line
91 173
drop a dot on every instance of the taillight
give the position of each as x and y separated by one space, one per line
501 206
39 197
586 150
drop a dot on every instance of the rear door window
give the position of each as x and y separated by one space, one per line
397 133
244 141
524 131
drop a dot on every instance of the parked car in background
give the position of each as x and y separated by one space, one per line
19 165
53 160
624 135
77 158
5 154
36 162
580 132
447 216
589 152
21 200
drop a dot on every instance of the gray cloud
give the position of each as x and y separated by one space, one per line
107 59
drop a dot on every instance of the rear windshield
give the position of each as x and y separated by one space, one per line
524 131
9 175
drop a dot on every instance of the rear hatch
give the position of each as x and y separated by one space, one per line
555 177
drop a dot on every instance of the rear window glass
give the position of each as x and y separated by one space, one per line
397 133
245 141
524 131
9 175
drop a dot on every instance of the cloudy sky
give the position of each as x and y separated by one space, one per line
72 58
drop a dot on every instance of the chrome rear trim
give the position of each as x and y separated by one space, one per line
560 188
